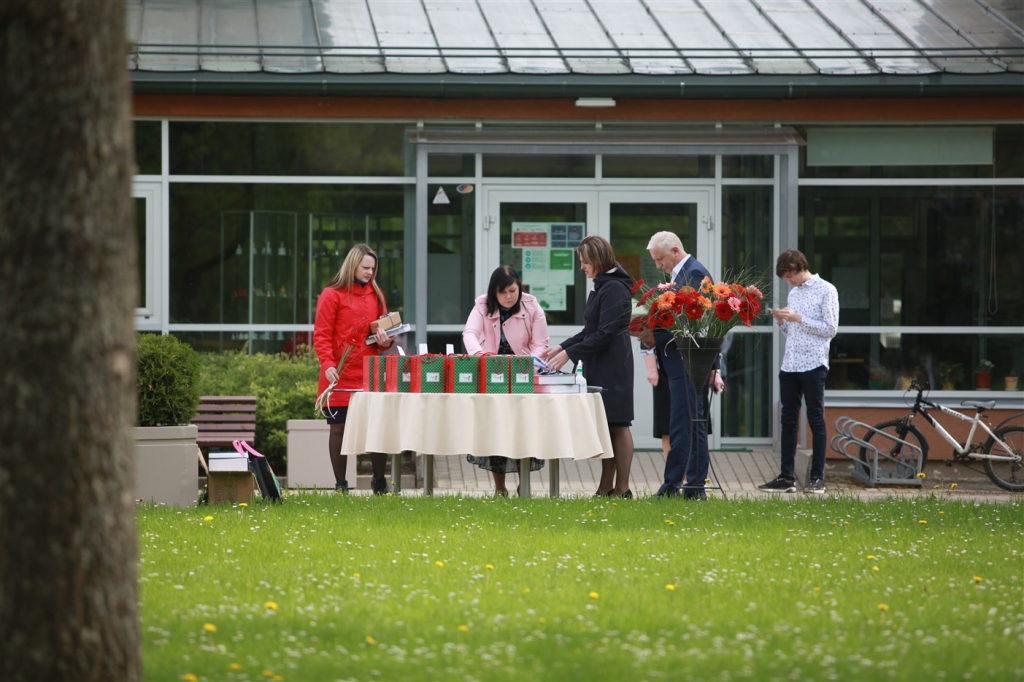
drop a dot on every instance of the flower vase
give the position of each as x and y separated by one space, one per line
698 357
983 380
1010 383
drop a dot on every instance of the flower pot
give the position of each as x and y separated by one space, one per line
1010 383
905 383
876 384
166 464
948 386
698 357
983 380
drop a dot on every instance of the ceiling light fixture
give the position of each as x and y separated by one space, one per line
595 102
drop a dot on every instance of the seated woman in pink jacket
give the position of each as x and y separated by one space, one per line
508 322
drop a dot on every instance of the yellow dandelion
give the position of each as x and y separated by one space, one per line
526 590
243 504
846 523
370 640
921 474
483 501
872 557
356 575
670 587
270 605
817 589
952 486
542 621
489 567
936 486
267 673
707 480
209 627
390 494
922 522
670 522
835 523
615 504
463 628
189 677
875 569
941 512
977 578
235 666
439 564
278 678
593 595
207 518
883 607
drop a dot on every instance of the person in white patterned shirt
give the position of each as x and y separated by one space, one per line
809 321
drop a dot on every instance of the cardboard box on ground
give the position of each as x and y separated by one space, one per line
228 478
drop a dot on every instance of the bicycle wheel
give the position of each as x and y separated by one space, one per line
904 462
1007 475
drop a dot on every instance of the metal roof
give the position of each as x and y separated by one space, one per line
524 44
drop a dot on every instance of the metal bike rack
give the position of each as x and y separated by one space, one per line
873 464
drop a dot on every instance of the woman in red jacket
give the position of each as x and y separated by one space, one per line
344 311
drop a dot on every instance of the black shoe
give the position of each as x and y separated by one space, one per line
379 486
341 487
815 486
779 485
606 493
627 495
695 495
665 491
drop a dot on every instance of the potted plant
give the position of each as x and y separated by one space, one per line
876 377
983 375
168 384
907 378
949 374
1010 381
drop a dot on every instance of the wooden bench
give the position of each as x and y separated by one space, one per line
223 419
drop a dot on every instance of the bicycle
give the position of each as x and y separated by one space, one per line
1001 451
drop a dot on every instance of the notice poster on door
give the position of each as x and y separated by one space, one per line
546 254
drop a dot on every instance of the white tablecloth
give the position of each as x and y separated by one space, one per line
545 426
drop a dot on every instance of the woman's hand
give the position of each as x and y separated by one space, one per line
382 338
717 383
332 374
550 353
558 361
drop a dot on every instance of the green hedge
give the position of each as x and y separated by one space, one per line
284 386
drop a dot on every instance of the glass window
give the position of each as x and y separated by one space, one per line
748 166
747 235
1007 151
927 256
142 238
946 361
260 254
539 165
147 147
657 166
747 400
219 148
633 224
451 165
451 249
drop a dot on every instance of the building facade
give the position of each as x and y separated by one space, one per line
884 139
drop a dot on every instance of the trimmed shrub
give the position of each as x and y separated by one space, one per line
168 379
284 386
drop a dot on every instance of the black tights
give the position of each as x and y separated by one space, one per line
615 471
339 462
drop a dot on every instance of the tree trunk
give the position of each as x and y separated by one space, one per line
68 550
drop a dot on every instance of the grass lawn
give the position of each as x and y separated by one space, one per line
451 588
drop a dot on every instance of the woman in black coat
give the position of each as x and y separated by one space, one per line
605 348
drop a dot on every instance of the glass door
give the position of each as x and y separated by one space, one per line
536 229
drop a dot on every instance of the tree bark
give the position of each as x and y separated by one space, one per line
68 549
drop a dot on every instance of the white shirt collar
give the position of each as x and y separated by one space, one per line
679 266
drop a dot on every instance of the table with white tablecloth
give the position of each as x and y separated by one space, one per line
518 426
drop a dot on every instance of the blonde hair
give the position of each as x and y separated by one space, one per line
346 276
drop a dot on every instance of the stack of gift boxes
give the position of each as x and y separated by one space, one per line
448 374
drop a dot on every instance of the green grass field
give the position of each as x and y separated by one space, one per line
451 588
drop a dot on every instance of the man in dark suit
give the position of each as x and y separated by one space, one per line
688 434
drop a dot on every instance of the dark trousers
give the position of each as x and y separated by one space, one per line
688 431
808 386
